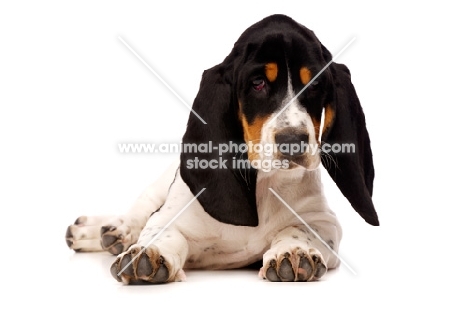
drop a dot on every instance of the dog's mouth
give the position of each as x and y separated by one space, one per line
281 161
308 162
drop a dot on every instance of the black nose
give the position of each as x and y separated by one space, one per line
291 143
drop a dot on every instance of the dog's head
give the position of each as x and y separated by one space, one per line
272 104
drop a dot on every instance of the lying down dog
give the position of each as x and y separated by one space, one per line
273 111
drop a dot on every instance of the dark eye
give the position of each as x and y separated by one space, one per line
258 84
312 88
315 83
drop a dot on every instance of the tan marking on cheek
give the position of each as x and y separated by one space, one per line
305 75
252 132
271 71
328 119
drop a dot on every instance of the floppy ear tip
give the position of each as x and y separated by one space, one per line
363 205
373 220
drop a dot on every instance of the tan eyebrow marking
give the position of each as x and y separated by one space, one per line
305 75
271 71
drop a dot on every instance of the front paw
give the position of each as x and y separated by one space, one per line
97 233
296 265
84 234
145 265
116 236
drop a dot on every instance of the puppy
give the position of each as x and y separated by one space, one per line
275 109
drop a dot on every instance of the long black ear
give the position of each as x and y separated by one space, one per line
353 172
230 192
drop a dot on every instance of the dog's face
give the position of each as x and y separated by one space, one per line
279 109
256 96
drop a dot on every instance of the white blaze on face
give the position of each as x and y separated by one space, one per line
292 118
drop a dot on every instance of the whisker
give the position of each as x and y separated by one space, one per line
328 159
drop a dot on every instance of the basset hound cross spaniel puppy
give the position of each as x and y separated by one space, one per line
213 210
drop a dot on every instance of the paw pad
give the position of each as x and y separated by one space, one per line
141 265
297 266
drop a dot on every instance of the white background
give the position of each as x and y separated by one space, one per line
70 91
